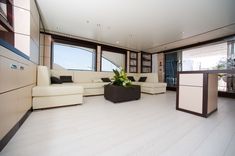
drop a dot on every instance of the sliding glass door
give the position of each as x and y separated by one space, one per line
172 65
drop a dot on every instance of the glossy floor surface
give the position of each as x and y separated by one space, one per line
147 127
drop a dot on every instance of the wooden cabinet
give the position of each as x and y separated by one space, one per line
146 63
18 76
197 93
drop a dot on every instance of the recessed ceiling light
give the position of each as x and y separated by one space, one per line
87 21
117 42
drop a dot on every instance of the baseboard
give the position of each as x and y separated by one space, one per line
55 107
13 131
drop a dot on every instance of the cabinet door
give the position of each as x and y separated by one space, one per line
8 112
24 100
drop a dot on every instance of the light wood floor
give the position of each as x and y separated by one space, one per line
147 127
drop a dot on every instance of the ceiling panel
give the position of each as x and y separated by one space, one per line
137 24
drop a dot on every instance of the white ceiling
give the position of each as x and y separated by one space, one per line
147 25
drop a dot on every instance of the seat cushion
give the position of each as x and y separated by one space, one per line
57 90
150 85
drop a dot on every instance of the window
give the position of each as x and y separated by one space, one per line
205 58
210 57
73 57
112 60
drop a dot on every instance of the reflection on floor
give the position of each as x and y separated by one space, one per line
150 126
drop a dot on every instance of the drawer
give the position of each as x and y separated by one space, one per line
191 79
187 101
9 74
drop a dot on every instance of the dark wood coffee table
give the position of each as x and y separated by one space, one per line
121 94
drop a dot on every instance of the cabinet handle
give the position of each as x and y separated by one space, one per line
21 68
13 66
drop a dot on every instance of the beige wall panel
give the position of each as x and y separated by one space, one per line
191 79
34 12
212 92
41 61
160 61
98 57
41 51
47 62
21 21
189 102
41 39
34 31
22 42
47 51
47 40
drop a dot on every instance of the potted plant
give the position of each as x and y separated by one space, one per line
121 89
120 78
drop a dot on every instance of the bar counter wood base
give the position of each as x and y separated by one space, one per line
197 92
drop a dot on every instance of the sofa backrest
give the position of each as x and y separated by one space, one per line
82 76
91 76
43 76
151 77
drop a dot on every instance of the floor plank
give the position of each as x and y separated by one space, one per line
149 126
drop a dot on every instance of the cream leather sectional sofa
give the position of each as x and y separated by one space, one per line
92 84
85 83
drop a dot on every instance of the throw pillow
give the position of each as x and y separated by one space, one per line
105 79
131 78
142 79
55 80
66 79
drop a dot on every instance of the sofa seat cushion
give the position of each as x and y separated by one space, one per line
150 85
57 90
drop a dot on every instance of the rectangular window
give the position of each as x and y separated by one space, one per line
73 57
210 57
112 60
